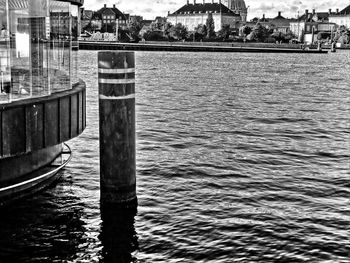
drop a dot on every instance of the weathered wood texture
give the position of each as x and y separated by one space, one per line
117 128
37 123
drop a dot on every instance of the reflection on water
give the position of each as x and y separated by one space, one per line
42 228
118 235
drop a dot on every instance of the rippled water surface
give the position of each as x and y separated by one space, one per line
240 158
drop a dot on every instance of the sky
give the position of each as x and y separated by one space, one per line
149 9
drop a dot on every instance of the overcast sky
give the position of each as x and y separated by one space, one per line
152 8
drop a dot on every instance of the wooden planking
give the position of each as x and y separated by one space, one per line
64 119
34 124
74 115
80 115
1 133
14 134
34 127
84 109
51 123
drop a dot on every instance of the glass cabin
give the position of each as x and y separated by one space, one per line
36 40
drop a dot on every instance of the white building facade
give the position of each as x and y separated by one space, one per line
341 18
192 15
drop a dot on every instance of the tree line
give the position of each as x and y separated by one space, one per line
206 32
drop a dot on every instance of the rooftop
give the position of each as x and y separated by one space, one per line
345 11
115 10
204 8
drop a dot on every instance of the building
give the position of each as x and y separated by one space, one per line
341 18
194 14
239 7
276 24
265 22
281 24
108 19
306 27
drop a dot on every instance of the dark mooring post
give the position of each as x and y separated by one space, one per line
116 77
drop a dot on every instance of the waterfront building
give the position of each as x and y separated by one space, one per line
306 27
193 14
265 22
281 24
341 18
276 24
42 99
109 19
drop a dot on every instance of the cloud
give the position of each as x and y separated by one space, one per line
152 8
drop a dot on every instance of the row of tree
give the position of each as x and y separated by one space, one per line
203 32
342 35
171 32
206 32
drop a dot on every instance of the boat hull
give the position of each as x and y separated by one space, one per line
38 179
31 135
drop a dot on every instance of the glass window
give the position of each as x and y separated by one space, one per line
75 17
60 53
36 39
5 71
29 48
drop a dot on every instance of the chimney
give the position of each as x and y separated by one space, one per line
337 10
114 6
264 16
313 11
279 13
188 2
104 5
194 2
330 11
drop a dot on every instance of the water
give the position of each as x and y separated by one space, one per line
241 158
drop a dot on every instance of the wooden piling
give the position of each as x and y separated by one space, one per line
116 77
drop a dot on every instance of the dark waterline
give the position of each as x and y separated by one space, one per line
241 158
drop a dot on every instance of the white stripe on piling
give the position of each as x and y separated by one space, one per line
130 96
116 71
116 81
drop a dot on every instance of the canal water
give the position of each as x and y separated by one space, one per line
240 158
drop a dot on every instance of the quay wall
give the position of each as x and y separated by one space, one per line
104 45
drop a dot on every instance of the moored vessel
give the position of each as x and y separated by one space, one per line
42 99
